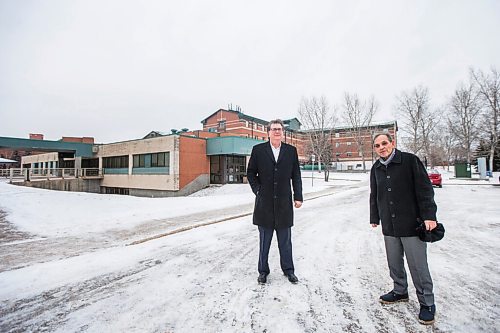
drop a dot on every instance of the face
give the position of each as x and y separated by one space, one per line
383 147
276 132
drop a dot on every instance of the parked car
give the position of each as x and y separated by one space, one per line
435 177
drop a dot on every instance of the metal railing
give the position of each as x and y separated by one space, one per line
22 174
4 173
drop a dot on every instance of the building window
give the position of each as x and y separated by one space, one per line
160 159
222 124
153 163
348 143
115 162
349 154
139 161
116 190
337 144
337 135
337 154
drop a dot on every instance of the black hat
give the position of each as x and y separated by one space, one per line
432 236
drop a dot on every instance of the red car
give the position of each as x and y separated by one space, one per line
435 177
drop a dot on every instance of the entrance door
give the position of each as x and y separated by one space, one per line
235 169
226 169
216 169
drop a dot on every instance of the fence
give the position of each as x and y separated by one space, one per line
23 174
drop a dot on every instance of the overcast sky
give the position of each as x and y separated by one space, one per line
116 70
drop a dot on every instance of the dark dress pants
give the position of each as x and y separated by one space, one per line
284 245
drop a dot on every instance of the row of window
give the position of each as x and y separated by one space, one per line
45 165
152 160
115 190
348 154
115 162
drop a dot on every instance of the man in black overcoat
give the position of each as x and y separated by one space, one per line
271 167
402 197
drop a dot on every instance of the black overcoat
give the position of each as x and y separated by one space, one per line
270 181
401 195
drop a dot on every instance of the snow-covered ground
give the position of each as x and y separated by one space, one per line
69 263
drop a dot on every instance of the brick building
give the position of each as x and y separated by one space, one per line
182 162
344 148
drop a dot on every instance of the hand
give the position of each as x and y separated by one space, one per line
374 225
430 224
298 204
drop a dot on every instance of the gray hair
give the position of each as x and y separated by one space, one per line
389 137
275 121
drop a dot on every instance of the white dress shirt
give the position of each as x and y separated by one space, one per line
276 151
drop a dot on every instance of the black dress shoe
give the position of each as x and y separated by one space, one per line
262 278
391 297
292 278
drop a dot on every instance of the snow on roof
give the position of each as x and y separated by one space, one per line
4 160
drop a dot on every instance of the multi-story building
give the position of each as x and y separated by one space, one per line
182 162
345 151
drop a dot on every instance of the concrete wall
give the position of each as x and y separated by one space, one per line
152 182
159 182
73 185
196 185
47 157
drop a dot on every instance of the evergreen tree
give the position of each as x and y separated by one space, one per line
483 150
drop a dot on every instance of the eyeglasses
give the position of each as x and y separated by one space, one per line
276 129
383 144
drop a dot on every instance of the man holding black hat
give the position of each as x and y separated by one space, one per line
402 198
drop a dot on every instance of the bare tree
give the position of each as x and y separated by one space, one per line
489 91
445 148
358 115
318 120
417 121
428 130
463 116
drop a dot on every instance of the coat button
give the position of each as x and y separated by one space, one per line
389 189
388 176
393 215
391 203
275 169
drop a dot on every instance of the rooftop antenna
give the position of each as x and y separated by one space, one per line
235 108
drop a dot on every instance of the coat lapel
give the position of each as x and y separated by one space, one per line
270 152
282 152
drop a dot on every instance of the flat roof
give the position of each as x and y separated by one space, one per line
79 148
